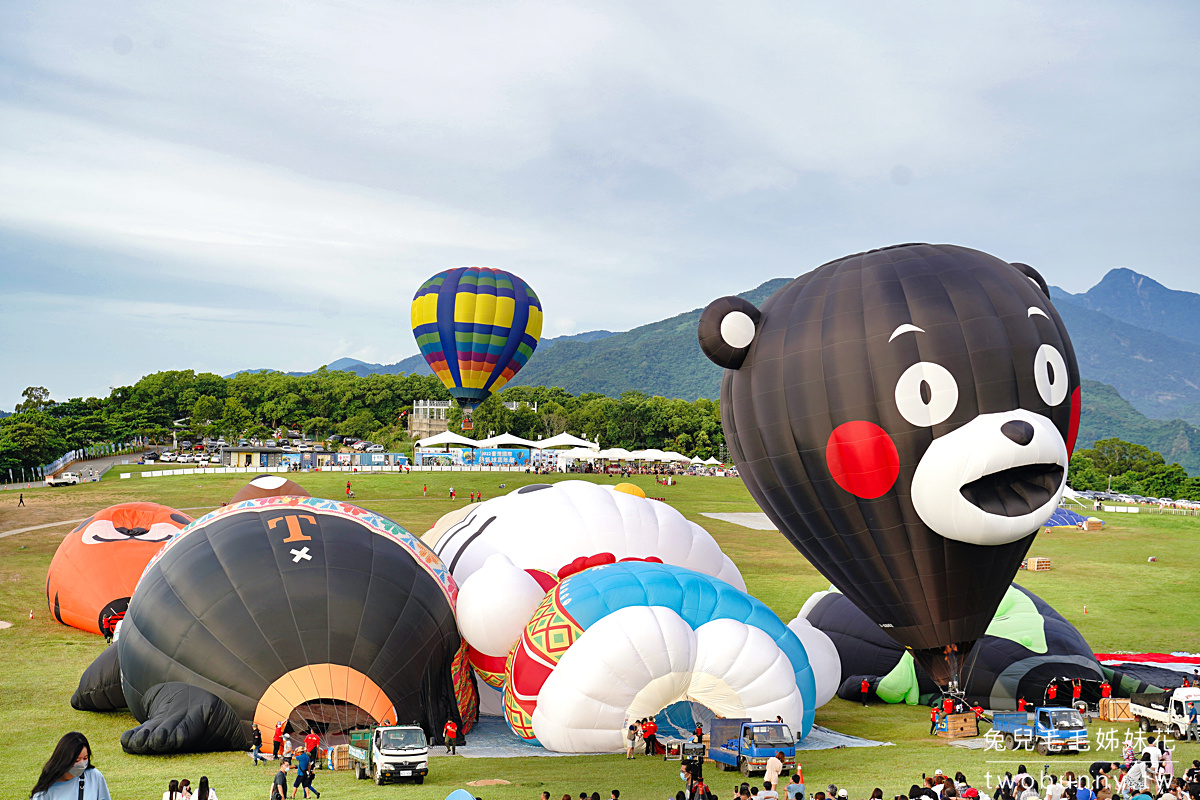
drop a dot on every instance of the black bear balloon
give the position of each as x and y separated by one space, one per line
905 417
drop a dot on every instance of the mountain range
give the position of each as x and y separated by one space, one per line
1137 343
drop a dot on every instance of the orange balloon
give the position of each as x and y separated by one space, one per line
97 566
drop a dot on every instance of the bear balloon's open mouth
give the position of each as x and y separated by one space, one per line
1016 491
979 485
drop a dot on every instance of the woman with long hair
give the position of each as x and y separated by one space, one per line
68 770
173 791
202 790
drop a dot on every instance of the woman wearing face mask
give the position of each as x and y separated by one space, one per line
69 773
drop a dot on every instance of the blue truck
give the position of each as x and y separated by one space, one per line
1051 730
745 745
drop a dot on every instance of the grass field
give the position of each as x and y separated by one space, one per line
1132 605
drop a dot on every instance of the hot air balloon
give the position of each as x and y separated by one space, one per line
97 565
284 608
549 526
619 642
477 327
1027 645
543 533
905 417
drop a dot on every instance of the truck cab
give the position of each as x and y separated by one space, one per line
388 752
65 479
746 745
1053 729
1168 712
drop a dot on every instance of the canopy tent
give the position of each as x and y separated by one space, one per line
447 438
508 440
673 456
712 462
615 454
580 453
697 460
566 440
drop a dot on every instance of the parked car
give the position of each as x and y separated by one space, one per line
243 442
337 438
167 455
319 448
350 440
270 443
375 448
185 445
150 458
214 459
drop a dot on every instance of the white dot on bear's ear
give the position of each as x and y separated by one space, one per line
737 329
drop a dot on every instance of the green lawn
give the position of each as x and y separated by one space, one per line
1131 605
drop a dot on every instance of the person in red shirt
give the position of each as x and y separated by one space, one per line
948 705
347 488
1105 690
1076 689
450 734
933 715
978 711
1020 704
311 743
863 690
277 742
650 731
1052 692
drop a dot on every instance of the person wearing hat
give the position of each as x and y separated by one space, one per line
842 794
971 793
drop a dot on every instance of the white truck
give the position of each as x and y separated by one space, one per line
1167 712
65 479
389 751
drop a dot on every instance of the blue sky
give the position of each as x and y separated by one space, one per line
223 185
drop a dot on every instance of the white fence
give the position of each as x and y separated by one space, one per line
163 473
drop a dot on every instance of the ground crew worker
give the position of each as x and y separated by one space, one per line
450 734
864 690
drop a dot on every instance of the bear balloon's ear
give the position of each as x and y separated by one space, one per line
1033 275
727 329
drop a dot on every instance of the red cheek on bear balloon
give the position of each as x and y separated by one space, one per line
862 459
1073 428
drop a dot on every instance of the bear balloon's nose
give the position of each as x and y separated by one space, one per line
1018 430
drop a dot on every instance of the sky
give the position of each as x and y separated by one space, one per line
232 185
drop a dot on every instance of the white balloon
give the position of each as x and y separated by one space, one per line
822 656
640 659
495 604
547 526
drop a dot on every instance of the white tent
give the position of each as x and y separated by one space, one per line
697 460
565 440
447 438
673 456
649 455
712 462
580 453
615 454
507 440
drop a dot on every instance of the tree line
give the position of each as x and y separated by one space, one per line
182 404
1129 468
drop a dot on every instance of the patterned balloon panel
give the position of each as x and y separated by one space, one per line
476 327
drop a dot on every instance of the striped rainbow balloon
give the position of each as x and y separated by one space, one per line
476 327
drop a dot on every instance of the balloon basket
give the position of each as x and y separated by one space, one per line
467 425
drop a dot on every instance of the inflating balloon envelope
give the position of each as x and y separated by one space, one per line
905 417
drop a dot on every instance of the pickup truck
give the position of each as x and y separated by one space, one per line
391 751
65 479
1053 730
746 745
1164 711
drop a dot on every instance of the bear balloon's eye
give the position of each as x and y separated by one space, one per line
926 394
1050 374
